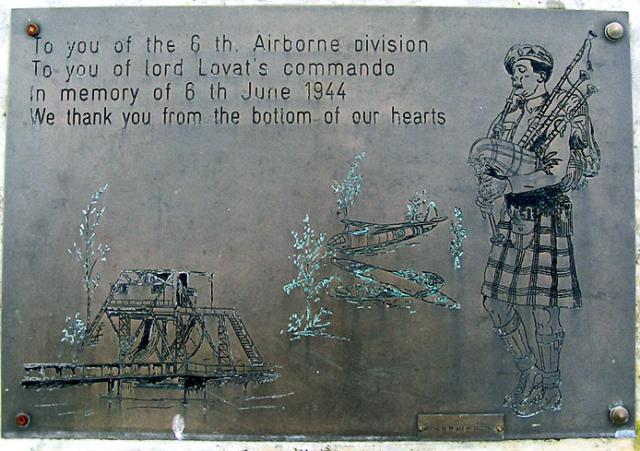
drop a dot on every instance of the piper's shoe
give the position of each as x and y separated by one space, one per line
528 409
528 384
548 399
552 399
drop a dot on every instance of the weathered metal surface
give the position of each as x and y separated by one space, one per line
357 342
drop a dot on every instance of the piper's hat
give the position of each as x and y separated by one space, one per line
528 52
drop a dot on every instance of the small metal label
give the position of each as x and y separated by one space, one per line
461 426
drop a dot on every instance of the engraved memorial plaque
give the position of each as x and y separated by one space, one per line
318 223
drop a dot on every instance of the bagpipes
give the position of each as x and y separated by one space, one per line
495 159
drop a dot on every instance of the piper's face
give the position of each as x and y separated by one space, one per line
524 80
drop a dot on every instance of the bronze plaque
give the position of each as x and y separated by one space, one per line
317 222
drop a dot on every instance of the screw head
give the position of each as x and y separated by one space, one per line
619 415
23 420
614 31
500 428
33 29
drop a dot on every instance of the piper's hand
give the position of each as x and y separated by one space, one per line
489 189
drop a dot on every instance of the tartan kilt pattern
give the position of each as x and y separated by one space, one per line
535 268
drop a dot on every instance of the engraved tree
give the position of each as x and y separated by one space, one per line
459 233
309 258
420 206
87 253
349 189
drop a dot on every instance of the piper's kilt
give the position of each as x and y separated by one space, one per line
534 265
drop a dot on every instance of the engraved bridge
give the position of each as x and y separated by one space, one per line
164 339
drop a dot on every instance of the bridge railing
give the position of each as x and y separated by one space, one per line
71 371
209 368
140 303
43 371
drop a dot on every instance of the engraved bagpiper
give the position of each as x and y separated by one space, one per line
540 147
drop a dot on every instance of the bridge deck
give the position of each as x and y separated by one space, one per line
61 374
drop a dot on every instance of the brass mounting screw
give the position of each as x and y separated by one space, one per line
619 415
33 29
500 428
614 31
23 420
